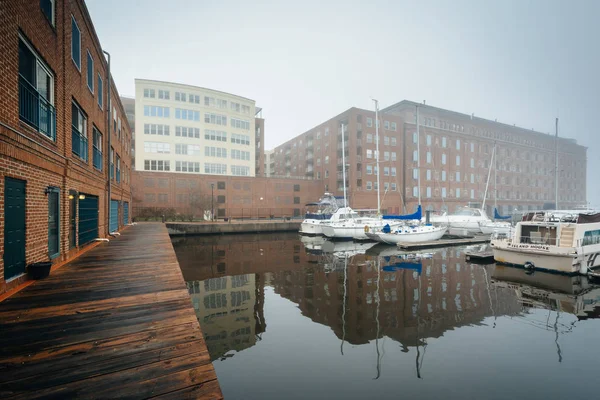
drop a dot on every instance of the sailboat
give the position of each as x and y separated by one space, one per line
495 227
408 233
356 228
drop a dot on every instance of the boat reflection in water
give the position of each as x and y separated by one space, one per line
365 295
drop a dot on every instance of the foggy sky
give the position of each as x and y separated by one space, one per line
521 62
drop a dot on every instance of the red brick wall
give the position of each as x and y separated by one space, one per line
31 156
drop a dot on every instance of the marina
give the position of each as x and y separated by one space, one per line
279 310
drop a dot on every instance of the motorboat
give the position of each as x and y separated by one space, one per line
465 218
559 241
328 209
496 227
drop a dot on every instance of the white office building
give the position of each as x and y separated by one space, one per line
193 130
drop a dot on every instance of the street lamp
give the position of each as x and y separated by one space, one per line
212 202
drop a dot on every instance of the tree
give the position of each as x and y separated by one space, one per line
200 203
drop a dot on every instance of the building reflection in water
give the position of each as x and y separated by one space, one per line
362 294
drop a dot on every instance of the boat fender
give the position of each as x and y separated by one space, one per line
366 228
529 265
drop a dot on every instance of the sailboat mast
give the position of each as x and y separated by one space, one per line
377 154
495 182
556 165
344 163
418 156
488 179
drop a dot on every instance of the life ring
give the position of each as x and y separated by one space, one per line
529 265
366 228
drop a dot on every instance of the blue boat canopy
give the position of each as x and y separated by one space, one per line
416 215
498 216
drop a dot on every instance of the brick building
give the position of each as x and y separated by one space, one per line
456 151
236 197
54 148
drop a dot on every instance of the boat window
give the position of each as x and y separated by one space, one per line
465 212
591 237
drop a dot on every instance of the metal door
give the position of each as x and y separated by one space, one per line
53 222
114 216
73 218
14 227
88 218
125 213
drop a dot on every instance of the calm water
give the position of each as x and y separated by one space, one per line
299 318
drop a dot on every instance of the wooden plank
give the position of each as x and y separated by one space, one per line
117 322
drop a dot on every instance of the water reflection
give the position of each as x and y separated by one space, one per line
368 294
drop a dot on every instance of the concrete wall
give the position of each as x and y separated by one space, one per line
205 228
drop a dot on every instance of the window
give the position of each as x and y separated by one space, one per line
193 98
393 186
386 156
393 171
428 140
164 94
443 176
457 160
118 168
156 111
415 137
219 136
112 163
240 124
415 173
187 166
190 115
369 170
428 192
415 191
393 141
472 193
97 149
443 159
75 43
36 92
415 156
369 122
457 193
393 128
216 119
240 139
156 129
386 171
369 138
90 72
444 192
369 185
220 152
157 147
457 176
428 157
326 162
179 96
444 144
100 88
240 155
156 165
428 174
240 170
47 7
457 144
149 93
184 131
472 147
472 178
369 153
472 163
79 144
215 169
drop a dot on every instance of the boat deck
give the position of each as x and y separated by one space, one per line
445 242
116 322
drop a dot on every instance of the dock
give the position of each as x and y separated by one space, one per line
446 241
480 256
232 227
116 322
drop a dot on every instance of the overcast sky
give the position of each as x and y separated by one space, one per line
521 62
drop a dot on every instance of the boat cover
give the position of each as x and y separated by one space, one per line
416 215
498 216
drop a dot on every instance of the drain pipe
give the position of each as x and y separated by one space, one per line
108 105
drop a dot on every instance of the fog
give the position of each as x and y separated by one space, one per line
520 62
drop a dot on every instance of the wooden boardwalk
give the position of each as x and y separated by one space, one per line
117 322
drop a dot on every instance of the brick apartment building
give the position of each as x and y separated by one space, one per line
157 193
55 159
455 154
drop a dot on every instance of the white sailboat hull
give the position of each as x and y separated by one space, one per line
411 235
355 229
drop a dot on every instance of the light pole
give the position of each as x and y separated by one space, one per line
212 202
